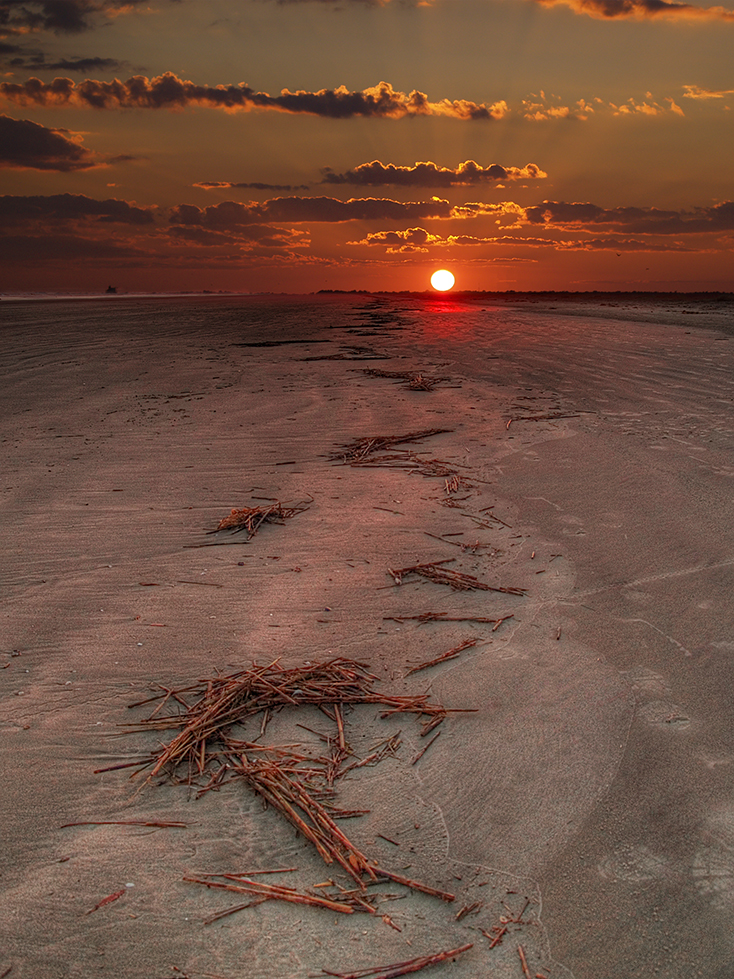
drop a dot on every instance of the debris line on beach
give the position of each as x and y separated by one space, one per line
447 576
359 449
289 779
416 380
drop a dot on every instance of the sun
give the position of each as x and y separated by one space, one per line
442 280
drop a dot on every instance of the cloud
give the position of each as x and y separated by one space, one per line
420 239
296 210
229 185
428 174
38 62
71 207
36 248
641 9
696 92
636 220
25 145
170 92
58 16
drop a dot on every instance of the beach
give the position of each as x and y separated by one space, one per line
574 457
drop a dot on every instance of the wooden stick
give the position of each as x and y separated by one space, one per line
523 962
106 900
274 893
127 822
401 968
451 654
425 748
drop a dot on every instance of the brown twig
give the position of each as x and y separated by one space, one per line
444 617
523 962
127 822
106 900
401 968
451 654
424 749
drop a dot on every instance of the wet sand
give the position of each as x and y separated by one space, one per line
590 793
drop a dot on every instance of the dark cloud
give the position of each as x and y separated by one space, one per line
228 185
620 245
428 174
641 9
36 248
169 91
58 16
636 220
34 60
295 210
71 207
25 145
261 233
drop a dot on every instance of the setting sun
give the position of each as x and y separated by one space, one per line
442 280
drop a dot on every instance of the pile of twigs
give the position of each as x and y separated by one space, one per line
251 518
447 576
359 449
292 782
208 709
417 381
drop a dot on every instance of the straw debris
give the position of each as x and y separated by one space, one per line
252 518
447 576
355 452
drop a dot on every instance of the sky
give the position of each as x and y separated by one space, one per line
298 145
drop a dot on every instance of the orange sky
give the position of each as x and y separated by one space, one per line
296 145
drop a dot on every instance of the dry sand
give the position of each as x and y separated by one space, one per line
590 795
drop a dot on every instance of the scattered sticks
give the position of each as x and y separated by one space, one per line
447 576
416 380
359 449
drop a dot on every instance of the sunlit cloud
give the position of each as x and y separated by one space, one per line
26 145
230 185
542 107
641 9
167 91
429 174
696 92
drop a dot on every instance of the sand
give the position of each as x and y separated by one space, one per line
589 794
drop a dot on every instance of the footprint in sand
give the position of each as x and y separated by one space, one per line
662 713
713 864
634 864
646 684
